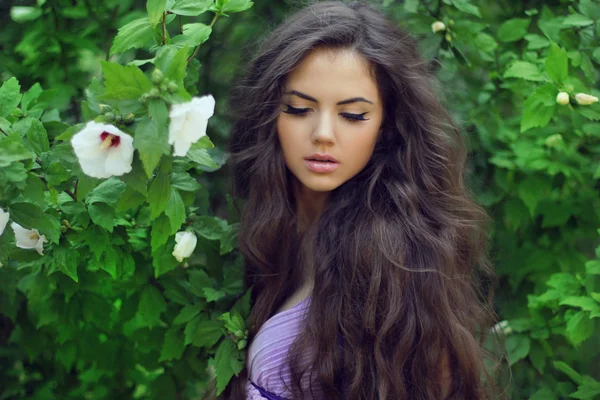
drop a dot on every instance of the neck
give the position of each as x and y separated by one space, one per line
309 205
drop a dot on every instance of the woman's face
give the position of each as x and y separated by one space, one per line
331 108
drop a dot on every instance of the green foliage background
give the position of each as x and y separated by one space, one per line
107 312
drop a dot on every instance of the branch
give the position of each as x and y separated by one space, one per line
164 28
195 53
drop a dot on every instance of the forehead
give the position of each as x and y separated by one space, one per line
334 73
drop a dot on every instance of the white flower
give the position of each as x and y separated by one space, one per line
185 245
562 98
438 26
585 99
3 220
188 122
103 150
29 238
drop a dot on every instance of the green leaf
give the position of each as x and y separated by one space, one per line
175 211
130 199
536 42
161 230
539 108
66 261
133 35
172 62
517 348
576 20
513 29
38 137
198 281
163 261
203 332
30 216
191 8
589 390
10 96
12 150
124 82
579 328
532 190
152 304
592 267
467 7
226 364
543 394
22 14
155 8
184 181
107 192
233 6
159 194
186 314
196 34
486 42
173 346
151 142
523 70
103 215
570 372
201 156
583 302
557 64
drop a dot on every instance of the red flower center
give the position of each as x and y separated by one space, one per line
114 139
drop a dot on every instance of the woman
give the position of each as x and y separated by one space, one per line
363 248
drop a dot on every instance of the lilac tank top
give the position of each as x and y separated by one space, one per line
267 354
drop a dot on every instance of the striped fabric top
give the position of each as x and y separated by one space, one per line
267 353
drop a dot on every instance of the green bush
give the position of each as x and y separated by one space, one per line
108 312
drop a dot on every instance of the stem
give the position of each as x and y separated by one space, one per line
180 18
71 194
195 53
3 132
164 28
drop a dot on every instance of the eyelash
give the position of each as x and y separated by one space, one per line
302 111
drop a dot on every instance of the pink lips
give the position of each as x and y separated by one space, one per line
321 163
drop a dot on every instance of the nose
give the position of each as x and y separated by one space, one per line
324 130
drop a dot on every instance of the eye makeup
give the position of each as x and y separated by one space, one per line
303 111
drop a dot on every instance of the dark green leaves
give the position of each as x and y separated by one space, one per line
10 96
124 82
152 304
12 149
191 8
539 108
133 35
159 194
227 364
513 29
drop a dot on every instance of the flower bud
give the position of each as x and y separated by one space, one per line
239 334
109 117
585 99
144 98
172 87
128 118
155 92
242 344
118 118
553 140
157 76
105 108
562 98
448 37
163 88
438 26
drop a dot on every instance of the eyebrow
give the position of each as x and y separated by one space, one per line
347 101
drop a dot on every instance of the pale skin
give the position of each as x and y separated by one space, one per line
331 105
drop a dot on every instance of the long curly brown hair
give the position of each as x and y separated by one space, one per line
403 285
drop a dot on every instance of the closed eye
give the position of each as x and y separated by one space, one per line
295 111
355 117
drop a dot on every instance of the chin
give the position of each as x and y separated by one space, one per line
321 184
